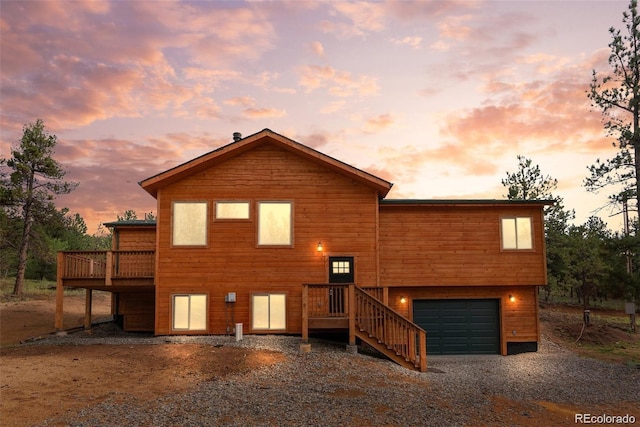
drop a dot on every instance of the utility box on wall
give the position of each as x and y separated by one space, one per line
230 297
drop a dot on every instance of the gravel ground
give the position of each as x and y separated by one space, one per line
331 387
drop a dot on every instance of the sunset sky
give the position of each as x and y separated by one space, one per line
438 97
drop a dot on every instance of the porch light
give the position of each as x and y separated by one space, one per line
512 298
403 300
320 248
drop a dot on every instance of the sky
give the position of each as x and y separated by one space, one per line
437 97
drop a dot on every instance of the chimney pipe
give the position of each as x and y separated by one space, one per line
237 136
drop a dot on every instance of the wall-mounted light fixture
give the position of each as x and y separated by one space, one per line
403 300
512 298
320 248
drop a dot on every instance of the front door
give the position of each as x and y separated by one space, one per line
340 271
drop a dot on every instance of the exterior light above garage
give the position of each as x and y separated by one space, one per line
512 298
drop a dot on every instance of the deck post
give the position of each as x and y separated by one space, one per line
423 351
108 273
305 313
352 314
87 308
59 292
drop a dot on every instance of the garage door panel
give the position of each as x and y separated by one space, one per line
459 326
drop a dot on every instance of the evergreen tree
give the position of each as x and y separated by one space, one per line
30 183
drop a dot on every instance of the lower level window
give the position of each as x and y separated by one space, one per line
190 312
269 312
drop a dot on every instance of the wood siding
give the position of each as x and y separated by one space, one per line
134 238
518 319
327 207
433 245
137 309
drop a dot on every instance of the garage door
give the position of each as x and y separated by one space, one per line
465 326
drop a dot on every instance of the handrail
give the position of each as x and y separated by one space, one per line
107 264
378 324
391 329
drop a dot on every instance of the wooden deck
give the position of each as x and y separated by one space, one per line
346 306
112 271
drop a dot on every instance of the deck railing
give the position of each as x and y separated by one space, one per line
106 265
369 318
327 300
389 328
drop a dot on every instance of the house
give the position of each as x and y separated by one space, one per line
274 235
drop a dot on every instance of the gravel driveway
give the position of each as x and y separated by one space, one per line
329 387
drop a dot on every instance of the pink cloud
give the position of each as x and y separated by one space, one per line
75 65
378 123
261 113
317 48
241 101
339 83
414 42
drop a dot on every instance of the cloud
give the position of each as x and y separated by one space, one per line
317 48
455 28
413 42
261 113
361 17
378 123
338 83
73 66
241 101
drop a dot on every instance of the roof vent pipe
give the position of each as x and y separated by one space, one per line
237 136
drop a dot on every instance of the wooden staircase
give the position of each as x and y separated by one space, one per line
389 332
331 306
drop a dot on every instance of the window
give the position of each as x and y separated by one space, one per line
516 233
190 312
274 224
268 312
232 210
189 224
341 269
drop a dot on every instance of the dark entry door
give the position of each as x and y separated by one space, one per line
340 271
460 326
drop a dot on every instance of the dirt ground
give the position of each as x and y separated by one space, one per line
65 379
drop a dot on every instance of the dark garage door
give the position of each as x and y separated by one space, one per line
463 326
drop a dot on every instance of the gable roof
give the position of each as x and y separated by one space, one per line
266 136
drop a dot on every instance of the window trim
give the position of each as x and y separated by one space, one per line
291 224
206 312
268 329
502 233
206 224
219 219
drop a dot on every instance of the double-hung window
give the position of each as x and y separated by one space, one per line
516 233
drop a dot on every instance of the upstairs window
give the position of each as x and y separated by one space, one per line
232 210
516 233
275 224
189 224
